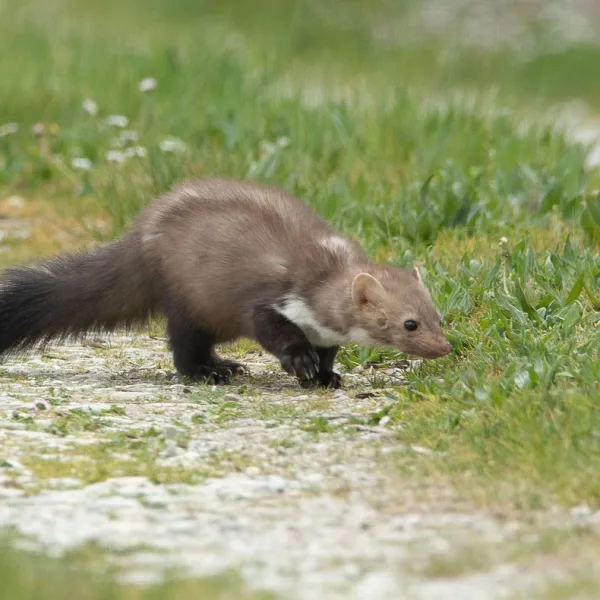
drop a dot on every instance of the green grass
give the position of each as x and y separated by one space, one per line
503 217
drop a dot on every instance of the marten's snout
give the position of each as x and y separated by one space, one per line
441 348
445 348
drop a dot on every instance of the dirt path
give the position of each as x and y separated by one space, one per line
298 490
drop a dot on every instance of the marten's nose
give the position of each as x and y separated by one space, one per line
446 348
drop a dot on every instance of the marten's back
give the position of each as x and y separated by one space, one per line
219 243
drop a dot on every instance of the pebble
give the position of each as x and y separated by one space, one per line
116 395
232 398
170 450
581 512
172 432
4 424
64 483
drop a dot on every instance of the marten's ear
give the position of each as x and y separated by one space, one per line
366 290
417 274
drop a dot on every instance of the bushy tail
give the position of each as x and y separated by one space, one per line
71 294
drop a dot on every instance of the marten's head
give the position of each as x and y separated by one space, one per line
394 309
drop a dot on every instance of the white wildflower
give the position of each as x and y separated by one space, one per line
148 84
90 107
38 130
172 144
8 129
128 135
117 121
138 151
503 241
115 156
80 162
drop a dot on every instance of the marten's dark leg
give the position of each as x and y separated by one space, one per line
193 350
326 375
286 341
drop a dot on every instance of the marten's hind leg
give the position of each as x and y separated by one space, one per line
193 350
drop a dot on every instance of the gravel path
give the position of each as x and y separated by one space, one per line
297 490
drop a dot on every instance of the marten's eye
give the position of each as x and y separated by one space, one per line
410 325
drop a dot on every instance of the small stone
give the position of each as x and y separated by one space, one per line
276 484
252 471
352 571
24 479
170 451
232 398
118 395
156 501
384 421
581 512
11 492
64 483
11 425
172 432
111 503
313 478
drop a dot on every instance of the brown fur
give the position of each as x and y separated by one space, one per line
220 258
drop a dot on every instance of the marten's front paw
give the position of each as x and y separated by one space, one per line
210 375
303 362
230 366
330 380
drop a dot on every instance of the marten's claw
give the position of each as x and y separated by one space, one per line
231 366
304 364
210 375
330 380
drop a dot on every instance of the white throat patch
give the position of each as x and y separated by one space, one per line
298 312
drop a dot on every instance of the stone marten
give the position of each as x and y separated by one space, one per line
225 259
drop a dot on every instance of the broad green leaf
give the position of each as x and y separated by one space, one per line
525 304
575 290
